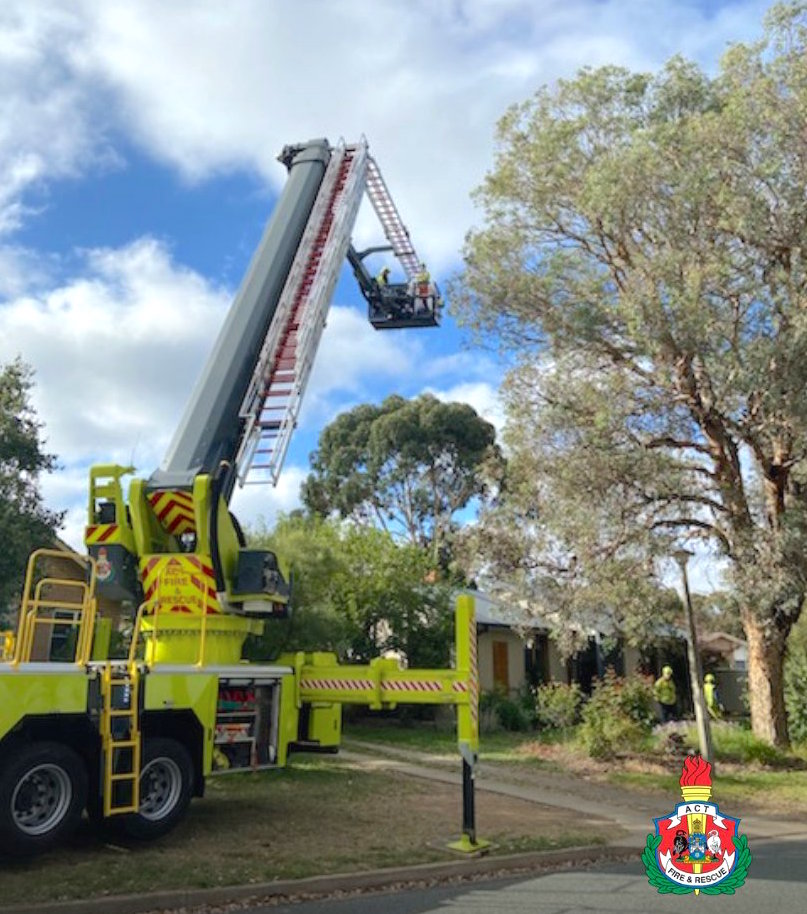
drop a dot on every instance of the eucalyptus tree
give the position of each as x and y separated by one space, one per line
406 466
644 251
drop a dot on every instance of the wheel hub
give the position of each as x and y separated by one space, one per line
160 788
41 799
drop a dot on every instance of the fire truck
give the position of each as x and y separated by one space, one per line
129 735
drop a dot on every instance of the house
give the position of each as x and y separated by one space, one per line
723 650
516 648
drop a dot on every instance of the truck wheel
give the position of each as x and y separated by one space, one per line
43 789
166 783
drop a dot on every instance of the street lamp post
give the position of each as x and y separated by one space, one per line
682 556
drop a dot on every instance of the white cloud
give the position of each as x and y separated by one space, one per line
116 351
207 86
66 490
481 395
262 504
50 117
352 356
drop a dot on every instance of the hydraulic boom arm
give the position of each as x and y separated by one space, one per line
245 406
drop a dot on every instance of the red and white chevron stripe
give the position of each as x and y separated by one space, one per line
338 685
407 685
473 674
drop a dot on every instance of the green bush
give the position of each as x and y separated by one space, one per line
637 701
606 735
513 716
734 743
508 713
796 692
557 705
618 717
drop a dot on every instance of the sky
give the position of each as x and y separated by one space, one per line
138 145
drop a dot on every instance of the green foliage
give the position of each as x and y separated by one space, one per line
557 705
356 592
618 716
796 695
644 255
513 716
734 743
636 700
407 466
796 684
510 714
25 524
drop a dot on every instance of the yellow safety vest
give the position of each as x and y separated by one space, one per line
710 697
664 690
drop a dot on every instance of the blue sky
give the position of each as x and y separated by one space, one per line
137 171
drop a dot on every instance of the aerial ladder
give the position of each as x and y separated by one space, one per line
168 560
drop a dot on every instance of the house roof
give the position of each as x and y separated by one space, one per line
721 641
490 612
69 551
493 613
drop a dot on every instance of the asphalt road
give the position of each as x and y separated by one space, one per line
777 882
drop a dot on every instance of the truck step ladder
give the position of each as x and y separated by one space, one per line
272 403
120 731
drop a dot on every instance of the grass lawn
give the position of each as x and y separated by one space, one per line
493 747
770 791
319 816
748 773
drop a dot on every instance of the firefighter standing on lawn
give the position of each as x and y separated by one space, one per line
664 692
711 697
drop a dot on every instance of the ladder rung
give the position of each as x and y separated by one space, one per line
122 744
124 776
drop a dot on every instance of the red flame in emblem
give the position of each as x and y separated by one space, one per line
696 772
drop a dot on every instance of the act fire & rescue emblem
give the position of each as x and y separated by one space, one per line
696 848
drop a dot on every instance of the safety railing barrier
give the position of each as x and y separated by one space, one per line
76 612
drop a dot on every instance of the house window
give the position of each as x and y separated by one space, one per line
501 669
536 659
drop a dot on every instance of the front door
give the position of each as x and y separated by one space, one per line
501 670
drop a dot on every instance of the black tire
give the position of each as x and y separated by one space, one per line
43 790
166 785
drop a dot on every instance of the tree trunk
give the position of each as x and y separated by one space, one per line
766 654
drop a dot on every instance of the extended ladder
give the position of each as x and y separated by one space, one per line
396 232
271 406
120 733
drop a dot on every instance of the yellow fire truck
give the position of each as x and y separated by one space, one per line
132 734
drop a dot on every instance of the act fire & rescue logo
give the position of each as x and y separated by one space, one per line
696 848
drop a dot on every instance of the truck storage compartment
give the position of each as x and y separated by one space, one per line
246 724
